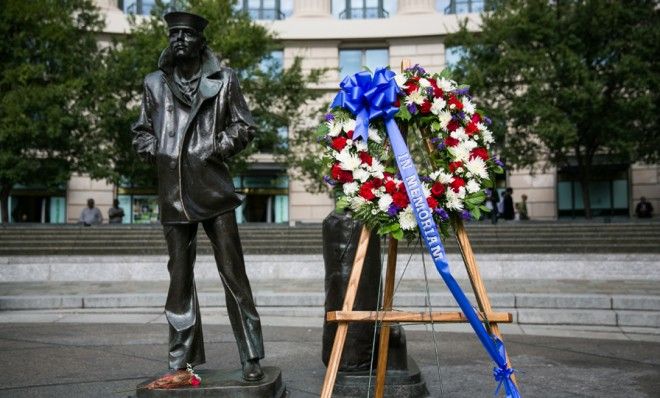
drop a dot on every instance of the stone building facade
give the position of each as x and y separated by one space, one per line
343 35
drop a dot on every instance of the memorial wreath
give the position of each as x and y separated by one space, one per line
359 158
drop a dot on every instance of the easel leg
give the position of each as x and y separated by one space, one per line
342 328
475 280
388 298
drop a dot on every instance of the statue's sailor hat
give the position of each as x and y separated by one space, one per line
180 19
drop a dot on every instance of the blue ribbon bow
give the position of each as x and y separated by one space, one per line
368 98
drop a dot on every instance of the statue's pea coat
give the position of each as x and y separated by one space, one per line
189 140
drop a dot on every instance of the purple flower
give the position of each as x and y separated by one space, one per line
442 213
416 69
462 91
465 215
429 91
329 117
461 115
392 210
425 178
412 108
435 140
498 162
329 180
441 146
487 120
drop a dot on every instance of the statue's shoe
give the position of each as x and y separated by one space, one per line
252 370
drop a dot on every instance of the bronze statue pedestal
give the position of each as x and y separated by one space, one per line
225 384
399 383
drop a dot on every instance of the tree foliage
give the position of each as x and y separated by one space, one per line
274 94
568 80
47 52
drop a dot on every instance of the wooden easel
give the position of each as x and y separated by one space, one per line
388 316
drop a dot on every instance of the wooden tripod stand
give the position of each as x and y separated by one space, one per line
388 316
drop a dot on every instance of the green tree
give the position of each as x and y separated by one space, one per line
47 52
568 80
275 95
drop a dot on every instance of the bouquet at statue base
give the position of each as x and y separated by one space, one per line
377 176
454 139
180 378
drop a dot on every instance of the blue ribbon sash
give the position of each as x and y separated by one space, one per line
369 98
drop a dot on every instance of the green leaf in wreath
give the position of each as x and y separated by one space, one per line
398 234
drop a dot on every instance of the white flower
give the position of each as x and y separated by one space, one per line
335 128
426 190
361 146
350 188
442 177
348 125
384 202
400 80
481 126
487 136
423 83
407 219
468 106
361 174
472 186
444 118
357 202
374 136
454 201
377 169
438 106
459 152
460 134
446 85
477 167
416 97
347 160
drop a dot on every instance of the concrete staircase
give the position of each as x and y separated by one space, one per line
512 237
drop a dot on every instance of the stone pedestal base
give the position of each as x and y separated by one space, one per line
224 383
398 383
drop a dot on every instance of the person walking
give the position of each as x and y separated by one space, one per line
508 212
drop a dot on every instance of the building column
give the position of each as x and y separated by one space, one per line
416 7
312 8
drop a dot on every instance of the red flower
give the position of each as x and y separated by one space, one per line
437 189
471 128
339 143
452 125
457 183
410 88
432 202
349 134
455 101
366 191
377 182
454 165
450 141
426 107
437 91
400 199
397 103
402 187
340 175
390 187
480 152
476 118
365 158
194 381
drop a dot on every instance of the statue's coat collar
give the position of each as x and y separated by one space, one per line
209 83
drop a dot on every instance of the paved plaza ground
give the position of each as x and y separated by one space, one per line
108 360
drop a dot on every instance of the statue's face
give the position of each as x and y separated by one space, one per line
185 43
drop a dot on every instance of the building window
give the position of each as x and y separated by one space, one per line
363 9
273 63
453 56
352 61
266 9
266 196
139 7
608 191
460 6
